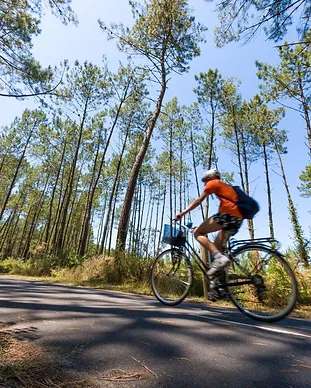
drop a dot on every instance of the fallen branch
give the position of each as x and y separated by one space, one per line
122 376
144 366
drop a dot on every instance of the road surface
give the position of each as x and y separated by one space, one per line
107 334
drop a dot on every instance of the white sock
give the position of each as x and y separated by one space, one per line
219 255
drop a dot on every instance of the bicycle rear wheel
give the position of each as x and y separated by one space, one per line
171 277
261 283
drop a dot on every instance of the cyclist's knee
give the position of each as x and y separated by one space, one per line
197 233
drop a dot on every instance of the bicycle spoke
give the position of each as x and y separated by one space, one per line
271 291
185 283
174 286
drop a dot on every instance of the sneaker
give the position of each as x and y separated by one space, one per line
212 295
218 264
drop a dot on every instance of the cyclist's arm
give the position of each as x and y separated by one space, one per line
193 205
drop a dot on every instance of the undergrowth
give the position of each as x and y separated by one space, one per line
103 271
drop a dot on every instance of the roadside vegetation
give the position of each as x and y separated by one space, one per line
90 176
101 158
100 272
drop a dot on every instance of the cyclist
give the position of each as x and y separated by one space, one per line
227 221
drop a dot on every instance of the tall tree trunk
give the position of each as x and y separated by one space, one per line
300 241
180 173
212 139
195 169
88 206
112 217
53 234
35 219
9 192
11 239
203 251
162 216
138 214
271 226
171 175
86 223
175 195
246 180
5 228
126 209
70 219
101 225
113 190
145 228
141 214
3 160
306 110
68 191
237 141
156 222
49 220
23 234
133 222
89 236
149 227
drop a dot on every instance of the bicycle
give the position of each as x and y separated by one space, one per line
259 281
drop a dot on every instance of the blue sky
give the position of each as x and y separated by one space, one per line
87 42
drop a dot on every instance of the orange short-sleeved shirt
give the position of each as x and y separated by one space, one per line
226 195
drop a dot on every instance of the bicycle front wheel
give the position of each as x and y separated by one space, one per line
171 277
261 283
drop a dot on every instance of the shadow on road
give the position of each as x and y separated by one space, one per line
183 346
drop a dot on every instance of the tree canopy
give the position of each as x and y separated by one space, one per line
20 73
243 18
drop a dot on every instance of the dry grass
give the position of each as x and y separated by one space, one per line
99 268
25 364
100 272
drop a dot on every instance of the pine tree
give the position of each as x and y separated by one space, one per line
167 38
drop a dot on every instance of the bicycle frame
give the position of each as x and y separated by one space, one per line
231 245
266 241
192 253
204 268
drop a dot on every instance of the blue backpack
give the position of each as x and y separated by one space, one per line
246 204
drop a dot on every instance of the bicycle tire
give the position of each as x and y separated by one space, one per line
276 296
159 282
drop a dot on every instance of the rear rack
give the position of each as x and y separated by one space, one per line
261 241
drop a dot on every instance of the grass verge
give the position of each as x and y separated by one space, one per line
100 272
301 311
25 364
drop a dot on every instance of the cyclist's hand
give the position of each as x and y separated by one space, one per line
179 216
194 229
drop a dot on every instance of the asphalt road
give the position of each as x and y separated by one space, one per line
102 333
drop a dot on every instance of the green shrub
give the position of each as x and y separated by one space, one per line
137 268
6 265
39 266
97 267
304 281
197 285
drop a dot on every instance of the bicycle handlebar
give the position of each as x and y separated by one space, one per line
189 225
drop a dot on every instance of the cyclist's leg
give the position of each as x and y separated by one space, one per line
220 260
208 226
226 224
221 239
214 292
